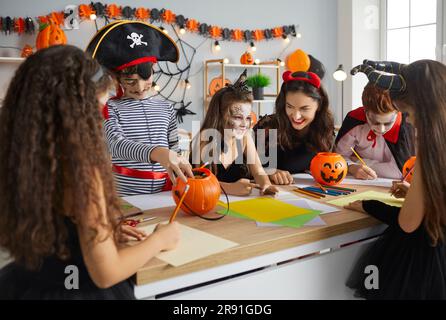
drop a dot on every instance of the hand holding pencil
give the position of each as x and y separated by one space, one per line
361 171
400 188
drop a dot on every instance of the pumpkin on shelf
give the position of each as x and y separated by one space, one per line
203 194
408 165
26 51
216 84
50 34
328 168
253 119
246 58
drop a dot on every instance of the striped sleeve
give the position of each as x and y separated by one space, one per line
173 131
120 146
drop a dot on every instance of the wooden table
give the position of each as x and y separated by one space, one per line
269 263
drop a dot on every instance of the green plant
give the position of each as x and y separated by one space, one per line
258 81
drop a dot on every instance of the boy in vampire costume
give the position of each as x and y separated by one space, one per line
379 133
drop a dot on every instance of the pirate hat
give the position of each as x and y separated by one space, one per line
124 43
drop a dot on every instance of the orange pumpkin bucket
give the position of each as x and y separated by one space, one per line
203 195
328 168
410 163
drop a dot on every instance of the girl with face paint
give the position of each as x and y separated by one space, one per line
226 132
379 133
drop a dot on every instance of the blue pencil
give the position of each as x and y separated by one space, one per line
329 192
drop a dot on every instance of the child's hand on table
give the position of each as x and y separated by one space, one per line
281 177
241 187
356 206
268 189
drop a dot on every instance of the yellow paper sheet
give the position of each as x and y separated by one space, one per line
369 195
267 209
194 244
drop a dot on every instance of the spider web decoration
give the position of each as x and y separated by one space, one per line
174 76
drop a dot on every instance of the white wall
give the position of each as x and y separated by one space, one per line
358 39
317 20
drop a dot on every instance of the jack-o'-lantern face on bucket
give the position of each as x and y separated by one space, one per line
408 169
328 168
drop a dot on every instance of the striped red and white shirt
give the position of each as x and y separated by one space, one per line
133 128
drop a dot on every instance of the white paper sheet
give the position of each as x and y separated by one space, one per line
151 201
194 244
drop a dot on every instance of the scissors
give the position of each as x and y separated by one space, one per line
135 222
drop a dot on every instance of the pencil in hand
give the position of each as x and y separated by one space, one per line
357 156
177 208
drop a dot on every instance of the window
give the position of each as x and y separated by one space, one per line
411 30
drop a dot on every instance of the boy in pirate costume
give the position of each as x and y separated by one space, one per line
141 131
378 132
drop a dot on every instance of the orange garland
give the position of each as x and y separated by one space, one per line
192 25
19 25
113 11
277 32
142 14
215 32
168 16
258 35
85 11
237 35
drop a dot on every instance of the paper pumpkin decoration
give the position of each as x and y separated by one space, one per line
328 168
50 34
203 194
316 66
246 58
410 163
26 51
216 84
298 61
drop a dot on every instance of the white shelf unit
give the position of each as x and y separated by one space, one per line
219 63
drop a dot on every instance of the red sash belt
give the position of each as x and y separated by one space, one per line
144 175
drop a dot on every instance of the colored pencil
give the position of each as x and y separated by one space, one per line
357 156
177 208
312 192
204 165
329 192
340 188
322 188
307 193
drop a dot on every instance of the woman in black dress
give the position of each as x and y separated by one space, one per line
410 256
304 125
59 217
